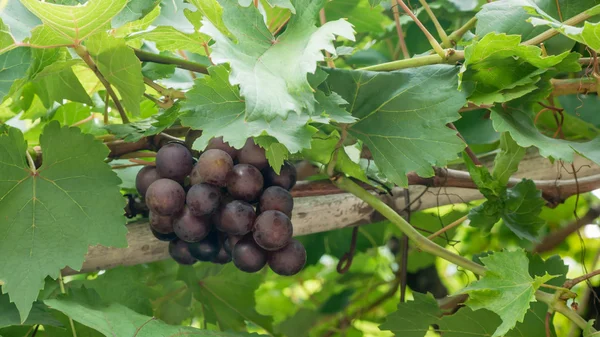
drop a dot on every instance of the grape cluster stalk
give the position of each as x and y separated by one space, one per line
228 205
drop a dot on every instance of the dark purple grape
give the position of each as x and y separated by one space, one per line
191 228
207 249
180 253
285 179
212 168
230 242
289 260
276 198
162 224
146 176
174 161
245 182
253 154
218 143
165 197
222 257
163 237
272 230
248 256
203 199
237 218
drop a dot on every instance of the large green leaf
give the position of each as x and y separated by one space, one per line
506 288
226 295
215 107
50 216
118 63
14 65
403 115
364 17
9 315
76 23
87 308
413 318
272 72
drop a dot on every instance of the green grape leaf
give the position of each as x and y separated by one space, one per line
553 265
87 308
57 82
332 111
132 132
482 322
507 160
588 34
170 39
401 120
6 40
321 151
137 25
118 63
227 296
413 318
9 315
14 66
52 215
19 19
275 152
503 69
214 106
522 206
272 72
518 121
364 17
133 11
75 23
506 288
211 11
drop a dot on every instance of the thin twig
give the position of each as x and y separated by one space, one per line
436 46
468 150
145 56
61 283
552 32
404 251
83 121
106 102
31 162
455 36
571 283
401 40
547 324
447 228
87 58
436 23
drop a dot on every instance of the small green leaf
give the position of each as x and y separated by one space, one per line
118 63
507 160
276 152
413 318
6 40
76 23
272 72
57 82
211 11
52 215
506 288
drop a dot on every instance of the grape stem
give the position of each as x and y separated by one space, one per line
434 44
571 283
436 23
31 162
429 246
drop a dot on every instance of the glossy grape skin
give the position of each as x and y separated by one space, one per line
285 179
145 177
203 199
288 260
180 253
174 161
165 197
278 199
222 257
218 143
245 182
212 168
253 154
206 249
164 237
237 218
191 228
272 230
248 256
230 242
162 224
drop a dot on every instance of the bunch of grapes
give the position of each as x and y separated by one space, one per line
228 206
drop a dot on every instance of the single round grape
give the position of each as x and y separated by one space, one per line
165 197
191 228
212 168
245 182
206 249
230 242
146 176
164 237
162 224
289 260
285 179
272 230
174 161
237 218
248 256
203 199
180 253
222 257
218 143
253 154
277 199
